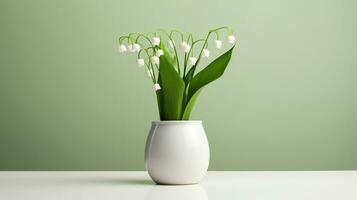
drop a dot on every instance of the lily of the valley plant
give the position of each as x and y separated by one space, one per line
171 59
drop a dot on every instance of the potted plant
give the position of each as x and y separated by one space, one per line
177 151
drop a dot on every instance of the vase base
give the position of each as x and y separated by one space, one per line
163 183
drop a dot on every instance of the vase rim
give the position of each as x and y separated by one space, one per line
178 122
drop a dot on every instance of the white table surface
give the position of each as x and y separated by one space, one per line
318 185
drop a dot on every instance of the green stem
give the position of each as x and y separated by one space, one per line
187 55
200 40
157 67
148 68
177 59
176 31
121 38
199 57
175 49
144 36
189 37
191 52
153 73
219 28
176 55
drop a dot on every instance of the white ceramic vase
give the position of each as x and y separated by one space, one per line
177 152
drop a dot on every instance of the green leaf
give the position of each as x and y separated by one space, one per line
186 114
189 76
170 57
210 73
187 80
172 90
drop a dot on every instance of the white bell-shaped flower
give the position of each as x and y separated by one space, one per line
159 52
155 41
205 53
140 62
156 87
231 39
136 47
155 60
122 48
182 45
218 44
192 60
185 47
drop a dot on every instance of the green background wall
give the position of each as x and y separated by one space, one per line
69 101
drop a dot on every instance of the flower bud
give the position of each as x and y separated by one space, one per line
122 48
159 52
231 39
205 53
192 60
155 41
140 62
218 44
155 60
156 87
